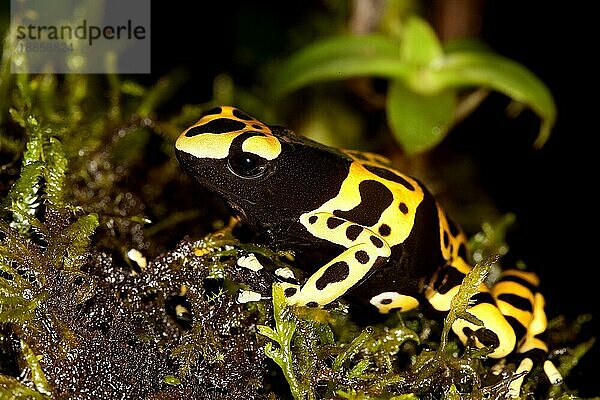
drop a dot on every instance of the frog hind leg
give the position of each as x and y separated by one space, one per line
523 306
364 252
512 314
496 331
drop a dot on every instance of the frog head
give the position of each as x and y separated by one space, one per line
265 173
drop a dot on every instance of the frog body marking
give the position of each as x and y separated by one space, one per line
374 234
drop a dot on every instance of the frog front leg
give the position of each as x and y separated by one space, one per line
364 251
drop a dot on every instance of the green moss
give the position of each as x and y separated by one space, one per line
369 366
282 335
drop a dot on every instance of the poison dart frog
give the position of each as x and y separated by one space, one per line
370 233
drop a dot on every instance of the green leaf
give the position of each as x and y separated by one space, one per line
340 57
37 374
467 316
80 231
54 172
461 301
172 380
12 389
488 70
419 122
359 368
352 349
268 332
18 297
132 88
24 197
285 326
470 286
408 396
18 118
35 142
420 45
452 393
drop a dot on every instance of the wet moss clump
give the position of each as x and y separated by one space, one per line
96 301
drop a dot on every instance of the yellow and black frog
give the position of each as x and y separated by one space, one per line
362 229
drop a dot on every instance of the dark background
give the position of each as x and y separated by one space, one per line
554 195
551 190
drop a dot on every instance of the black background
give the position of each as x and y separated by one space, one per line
551 191
554 194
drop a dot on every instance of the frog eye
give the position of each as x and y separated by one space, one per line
247 165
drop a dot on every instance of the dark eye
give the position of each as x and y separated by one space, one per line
247 165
